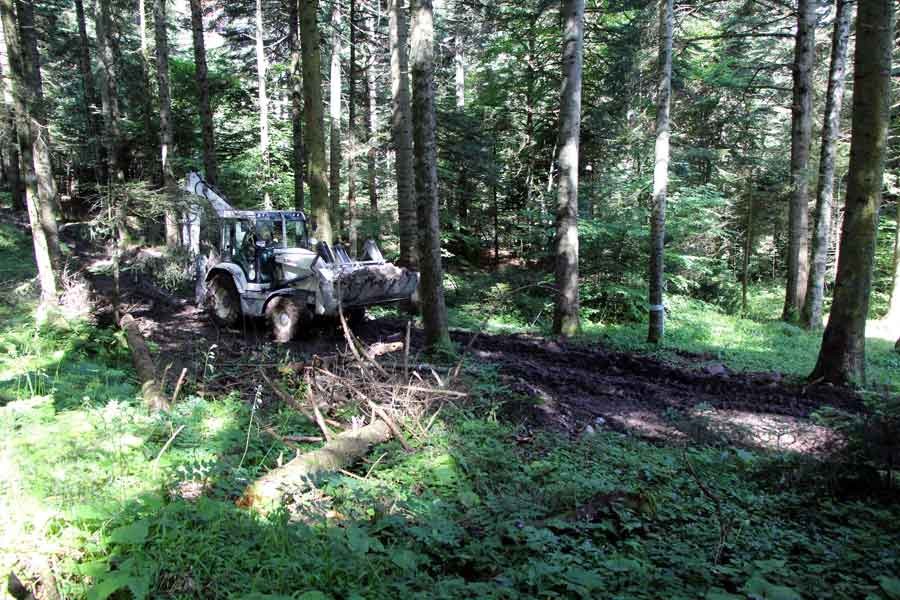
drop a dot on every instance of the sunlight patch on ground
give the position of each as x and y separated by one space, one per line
766 431
889 331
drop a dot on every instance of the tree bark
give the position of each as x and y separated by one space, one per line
334 111
371 104
842 355
815 289
297 154
314 116
401 131
10 136
147 96
801 133
459 62
90 104
166 130
565 316
263 98
24 100
146 371
431 286
748 244
107 46
660 176
210 164
352 131
43 163
109 92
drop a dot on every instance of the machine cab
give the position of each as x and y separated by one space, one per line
255 239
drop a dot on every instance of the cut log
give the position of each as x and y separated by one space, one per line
380 348
151 390
341 452
17 589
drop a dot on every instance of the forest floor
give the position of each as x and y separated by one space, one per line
570 469
568 387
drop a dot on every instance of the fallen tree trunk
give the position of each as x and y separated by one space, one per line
17 589
341 452
151 390
380 348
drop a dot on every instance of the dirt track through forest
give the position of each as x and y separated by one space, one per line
569 387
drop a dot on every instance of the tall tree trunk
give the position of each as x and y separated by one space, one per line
893 312
210 164
261 67
146 68
90 103
565 316
495 204
462 192
815 289
459 62
660 176
334 111
431 285
371 112
801 132
748 244
297 158
43 163
842 357
838 225
109 93
108 50
28 37
166 130
351 127
314 116
25 99
401 131
10 136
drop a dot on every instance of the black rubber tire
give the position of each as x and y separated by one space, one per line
222 301
355 316
284 316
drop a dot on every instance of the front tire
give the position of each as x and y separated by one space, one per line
223 301
284 316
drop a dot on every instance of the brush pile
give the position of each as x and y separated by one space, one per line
382 393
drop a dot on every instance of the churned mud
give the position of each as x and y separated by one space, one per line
573 388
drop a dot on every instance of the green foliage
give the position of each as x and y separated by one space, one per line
16 256
616 315
871 439
171 270
471 513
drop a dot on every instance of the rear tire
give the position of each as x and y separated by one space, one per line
223 301
356 316
284 316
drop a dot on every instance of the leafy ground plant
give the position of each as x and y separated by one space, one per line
475 512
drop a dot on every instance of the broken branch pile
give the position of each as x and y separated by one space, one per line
351 381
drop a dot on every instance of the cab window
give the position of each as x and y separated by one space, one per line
296 234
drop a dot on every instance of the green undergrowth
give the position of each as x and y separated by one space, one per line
518 302
130 505
16 258
124 504
757 342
